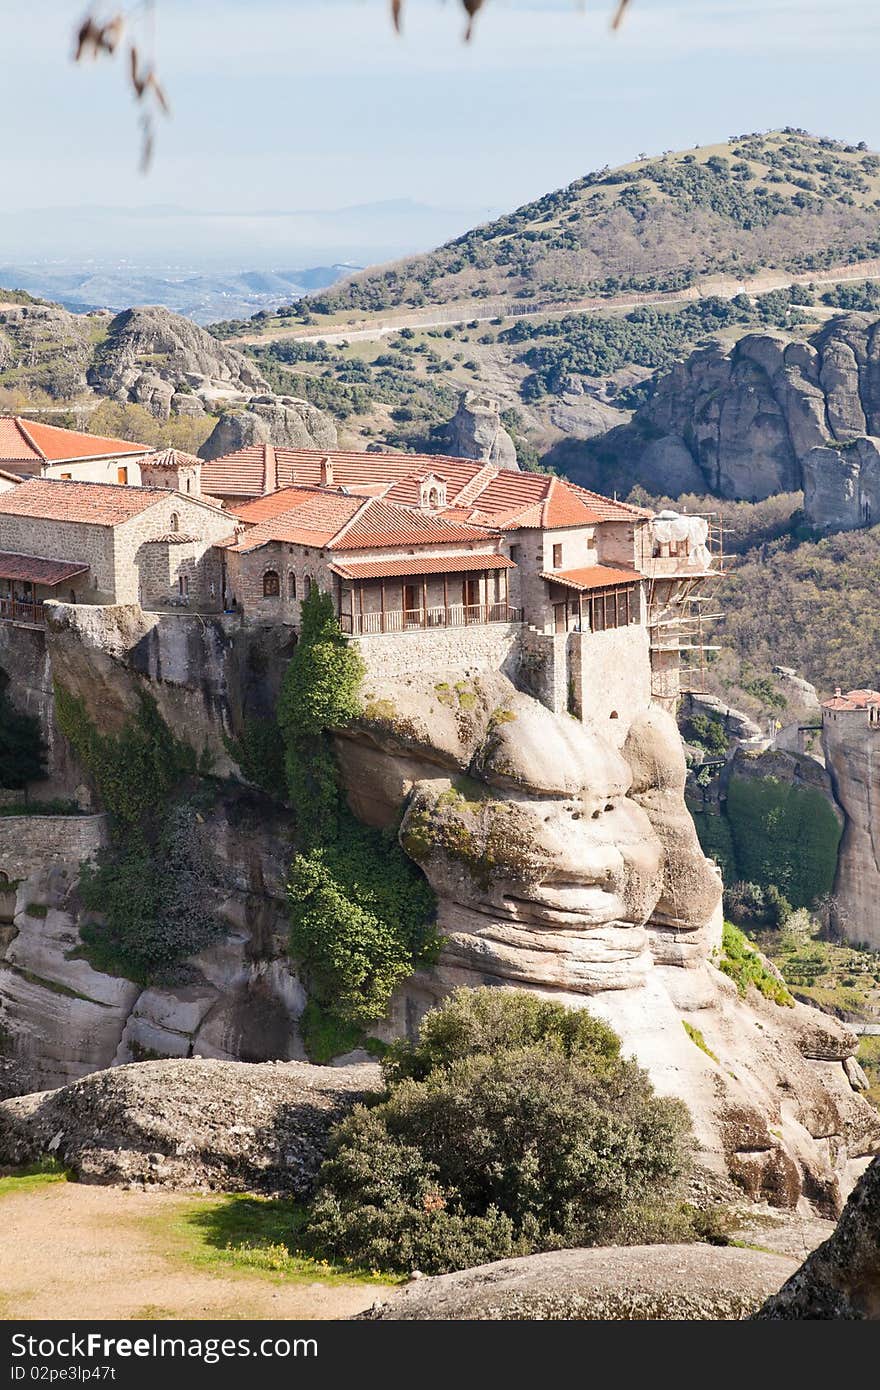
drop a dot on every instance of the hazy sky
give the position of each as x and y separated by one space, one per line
304 104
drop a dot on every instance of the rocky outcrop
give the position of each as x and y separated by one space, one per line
52 348
149 352
842 485
841 1279
850 745
619 1284
476 432
285 421
755 420
566 862
208 1125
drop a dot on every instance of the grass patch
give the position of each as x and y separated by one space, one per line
744 966
37 910
55 988
13 1180
697 1038
868 1056
256 1235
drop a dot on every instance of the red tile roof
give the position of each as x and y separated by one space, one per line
477 492
29 441
321 518
434 564
852 700
34 570
171 458
94 504
593 577
379 524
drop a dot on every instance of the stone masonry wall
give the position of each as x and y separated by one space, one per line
66 540
462 651
32 844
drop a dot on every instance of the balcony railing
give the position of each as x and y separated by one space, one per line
416 619
13 611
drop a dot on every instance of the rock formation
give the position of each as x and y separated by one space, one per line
476 432
563 857
758 419
285 421
842 484
206 1125
620 1284
149 352
841 1279
850 746
566 862
53 346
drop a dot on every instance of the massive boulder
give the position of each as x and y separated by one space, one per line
476 432
841 1279
619 1284
285 421
565 861
149 352
209 1125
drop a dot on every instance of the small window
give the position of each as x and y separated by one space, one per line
291 585
175 521
67 476
307 585
183 585
557 557
514 554
271 584
189 486
122 475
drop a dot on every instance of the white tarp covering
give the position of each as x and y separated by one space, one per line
669 527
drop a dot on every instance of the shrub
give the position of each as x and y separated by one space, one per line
528 1146
783 834
361 911
488 1021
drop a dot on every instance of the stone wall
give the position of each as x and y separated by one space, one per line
32 844
610 675
464 651
66 540
133 543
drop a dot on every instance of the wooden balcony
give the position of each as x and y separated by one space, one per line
24 614
419 619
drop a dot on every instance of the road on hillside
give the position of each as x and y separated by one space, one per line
483 310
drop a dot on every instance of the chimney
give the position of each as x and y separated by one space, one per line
837 691
271 470
327 471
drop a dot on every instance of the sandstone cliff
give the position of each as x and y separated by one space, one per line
743 422
850 756
568 863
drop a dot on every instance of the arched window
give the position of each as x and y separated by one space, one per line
271 584
308 585
175 521
291 585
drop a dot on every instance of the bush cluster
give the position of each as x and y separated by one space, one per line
513 1126
22 750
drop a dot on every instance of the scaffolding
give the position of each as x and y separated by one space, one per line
680 606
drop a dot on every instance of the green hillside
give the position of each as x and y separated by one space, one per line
785 201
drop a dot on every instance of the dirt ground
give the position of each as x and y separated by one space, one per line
74 1252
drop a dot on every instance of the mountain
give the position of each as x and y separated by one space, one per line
200 295
786 200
